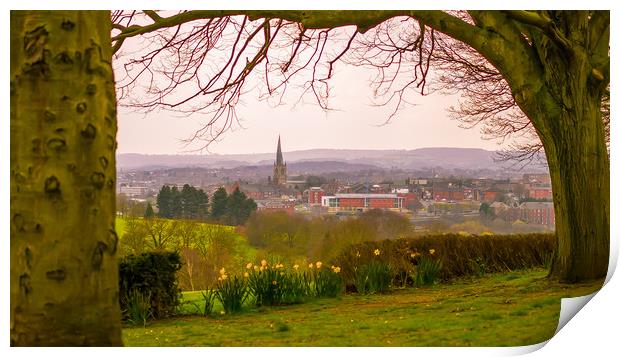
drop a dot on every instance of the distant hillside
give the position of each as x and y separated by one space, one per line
447 158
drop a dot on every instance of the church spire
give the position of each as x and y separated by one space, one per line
279 159
279 167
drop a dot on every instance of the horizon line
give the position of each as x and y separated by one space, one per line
298 150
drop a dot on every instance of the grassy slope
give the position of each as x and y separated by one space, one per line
246 249
518 308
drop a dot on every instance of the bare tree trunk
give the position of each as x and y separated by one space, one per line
579 167
64 274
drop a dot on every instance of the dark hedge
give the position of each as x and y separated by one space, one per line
151 273
460 255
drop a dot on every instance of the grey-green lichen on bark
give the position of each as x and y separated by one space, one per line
64 288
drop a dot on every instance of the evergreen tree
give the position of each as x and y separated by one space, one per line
164 202
218 204
148 213
234 207
188 202
176 207
201 204
238 208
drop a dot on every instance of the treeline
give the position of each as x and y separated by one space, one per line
192 203
295 236
188 203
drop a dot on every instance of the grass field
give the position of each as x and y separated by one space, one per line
246 250
518 308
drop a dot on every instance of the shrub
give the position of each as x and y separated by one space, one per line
154 275
459 255
373 277
231 292
479 267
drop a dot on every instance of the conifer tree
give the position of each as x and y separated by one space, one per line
149 213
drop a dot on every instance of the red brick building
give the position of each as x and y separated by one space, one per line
538 213
540 192
489 195
315 194
408 198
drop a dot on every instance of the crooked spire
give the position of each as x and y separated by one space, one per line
279 159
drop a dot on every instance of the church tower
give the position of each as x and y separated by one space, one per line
279 167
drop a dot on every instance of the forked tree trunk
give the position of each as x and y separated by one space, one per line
64 275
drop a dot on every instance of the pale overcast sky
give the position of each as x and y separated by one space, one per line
356 124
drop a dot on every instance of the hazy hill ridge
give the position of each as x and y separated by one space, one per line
456 158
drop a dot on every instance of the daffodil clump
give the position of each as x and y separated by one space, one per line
327 281
427 269
266 282
277 284
374 276
231 291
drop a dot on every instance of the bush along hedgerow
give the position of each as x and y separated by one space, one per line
459 255
231 292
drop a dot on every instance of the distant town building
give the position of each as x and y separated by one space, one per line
133 191
315 194
448 193
537 178
538 213
540 191
358 202
285 205
279 167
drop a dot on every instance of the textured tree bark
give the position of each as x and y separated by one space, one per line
64 275
579 167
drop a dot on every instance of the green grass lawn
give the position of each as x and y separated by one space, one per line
511 309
